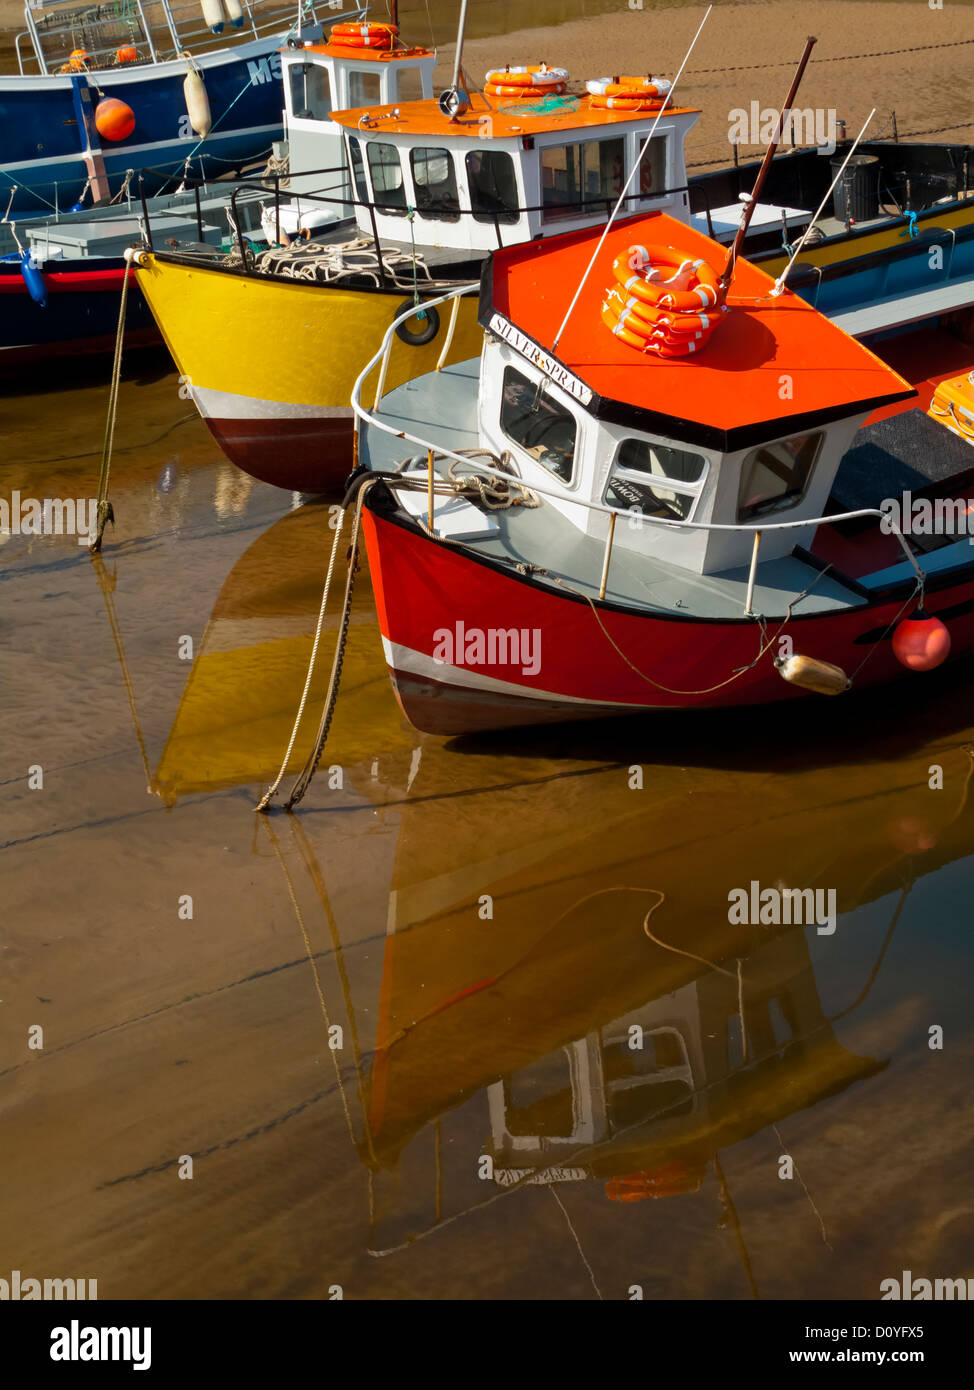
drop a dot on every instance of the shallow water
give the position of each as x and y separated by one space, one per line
483 922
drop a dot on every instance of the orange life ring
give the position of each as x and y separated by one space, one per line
527 77
693 285
365 35
625 103
493 89
655 316
631 87
649 333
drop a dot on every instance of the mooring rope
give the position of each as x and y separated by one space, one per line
105 512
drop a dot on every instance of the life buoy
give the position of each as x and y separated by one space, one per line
635 88
625 103
365 35
656 343
654 317
691 286
526 78
428 317
494 89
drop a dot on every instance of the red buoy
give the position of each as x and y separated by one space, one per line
114 120
921 642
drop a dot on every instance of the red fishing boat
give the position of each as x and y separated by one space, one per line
640 505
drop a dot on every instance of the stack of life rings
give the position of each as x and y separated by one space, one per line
627 93
540 81
385 36
662 302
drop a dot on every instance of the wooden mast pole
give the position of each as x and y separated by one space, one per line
728 275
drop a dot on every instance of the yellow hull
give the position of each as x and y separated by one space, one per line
271 364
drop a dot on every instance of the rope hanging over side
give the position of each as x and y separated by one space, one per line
105 511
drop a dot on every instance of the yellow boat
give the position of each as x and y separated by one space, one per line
269 345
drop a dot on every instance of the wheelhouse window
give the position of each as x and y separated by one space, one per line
655 479
363 89
435 182
493 186
358 169
652 166
387 181
310 91
538 424
584 173
775 476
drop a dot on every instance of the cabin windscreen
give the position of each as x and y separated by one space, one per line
776 476
358 169
435 184
364 89
385 171
536 422
651 479
584 171
311 98
493 186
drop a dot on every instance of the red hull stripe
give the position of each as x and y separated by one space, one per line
423 589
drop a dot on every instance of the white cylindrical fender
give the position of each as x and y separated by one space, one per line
197 103
213 14
234 11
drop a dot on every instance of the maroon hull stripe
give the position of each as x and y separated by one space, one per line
310 455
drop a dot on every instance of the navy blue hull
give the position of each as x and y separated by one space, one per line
44 142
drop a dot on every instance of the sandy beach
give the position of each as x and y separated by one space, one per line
747 52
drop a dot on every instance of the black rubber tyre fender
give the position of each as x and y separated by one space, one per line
427 333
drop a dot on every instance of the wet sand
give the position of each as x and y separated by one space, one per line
167 1035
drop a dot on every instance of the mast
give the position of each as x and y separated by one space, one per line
751 204
458 60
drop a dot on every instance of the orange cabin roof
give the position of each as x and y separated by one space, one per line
367 55
727 396
507 117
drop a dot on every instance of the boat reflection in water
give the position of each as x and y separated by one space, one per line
559 997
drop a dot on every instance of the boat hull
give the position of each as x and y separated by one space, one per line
43 146
80 316
271 364
593 660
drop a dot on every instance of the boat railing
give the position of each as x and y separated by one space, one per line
369 417
344 200
171 30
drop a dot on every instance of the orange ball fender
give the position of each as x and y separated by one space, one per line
114 119
921 642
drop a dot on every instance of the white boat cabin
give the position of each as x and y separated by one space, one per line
498 176
750 430
322 78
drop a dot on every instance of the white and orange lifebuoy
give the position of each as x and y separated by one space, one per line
691 285
634 88
527 78
495 89
365 35
660 301
627 93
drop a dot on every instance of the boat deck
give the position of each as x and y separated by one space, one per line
543 536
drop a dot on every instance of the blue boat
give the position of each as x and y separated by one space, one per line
55 149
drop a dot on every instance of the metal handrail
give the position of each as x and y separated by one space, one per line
561 495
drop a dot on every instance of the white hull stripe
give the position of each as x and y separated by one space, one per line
225 405
400 658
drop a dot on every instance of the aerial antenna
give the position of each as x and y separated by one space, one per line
752 198
455 101
632 175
